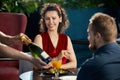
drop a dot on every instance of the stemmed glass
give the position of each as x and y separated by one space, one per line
56 66
41 72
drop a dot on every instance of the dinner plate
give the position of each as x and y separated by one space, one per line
49 73
60 73
68 77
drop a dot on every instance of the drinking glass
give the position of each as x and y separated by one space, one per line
56 66
41 72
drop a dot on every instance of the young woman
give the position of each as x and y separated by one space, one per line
53 22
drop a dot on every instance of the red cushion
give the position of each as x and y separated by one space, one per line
9 63
13 24
9 73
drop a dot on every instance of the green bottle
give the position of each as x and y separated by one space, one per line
35 49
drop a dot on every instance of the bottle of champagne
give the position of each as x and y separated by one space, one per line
35 49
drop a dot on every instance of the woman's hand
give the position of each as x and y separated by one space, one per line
64 53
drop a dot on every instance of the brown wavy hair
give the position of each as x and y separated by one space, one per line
61 13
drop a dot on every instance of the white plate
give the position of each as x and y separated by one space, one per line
68 77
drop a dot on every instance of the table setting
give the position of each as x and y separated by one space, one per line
53 73
70 74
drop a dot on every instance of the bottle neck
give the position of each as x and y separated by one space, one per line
25 39
27 42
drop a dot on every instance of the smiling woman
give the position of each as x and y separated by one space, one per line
53 23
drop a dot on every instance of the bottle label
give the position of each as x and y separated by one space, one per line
44 54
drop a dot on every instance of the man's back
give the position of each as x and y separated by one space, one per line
104 66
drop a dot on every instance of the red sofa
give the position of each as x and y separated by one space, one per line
11 24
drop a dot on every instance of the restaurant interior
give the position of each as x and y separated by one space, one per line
13 23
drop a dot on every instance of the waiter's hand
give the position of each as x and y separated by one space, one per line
39 63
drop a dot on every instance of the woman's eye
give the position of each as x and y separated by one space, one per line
47 19
54 18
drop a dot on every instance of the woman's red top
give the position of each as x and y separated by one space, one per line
50 49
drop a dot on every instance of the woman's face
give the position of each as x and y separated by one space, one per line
52 20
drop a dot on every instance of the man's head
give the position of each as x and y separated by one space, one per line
102 30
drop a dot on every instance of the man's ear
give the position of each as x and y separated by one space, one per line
98 35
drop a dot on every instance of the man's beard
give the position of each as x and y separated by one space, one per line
92 46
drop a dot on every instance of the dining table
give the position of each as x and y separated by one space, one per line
70 74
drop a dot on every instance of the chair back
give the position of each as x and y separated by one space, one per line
11 24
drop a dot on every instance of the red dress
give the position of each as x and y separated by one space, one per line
49 48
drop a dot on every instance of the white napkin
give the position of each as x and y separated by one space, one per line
68 77
27 75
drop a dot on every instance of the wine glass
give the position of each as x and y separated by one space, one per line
56 66
41 72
